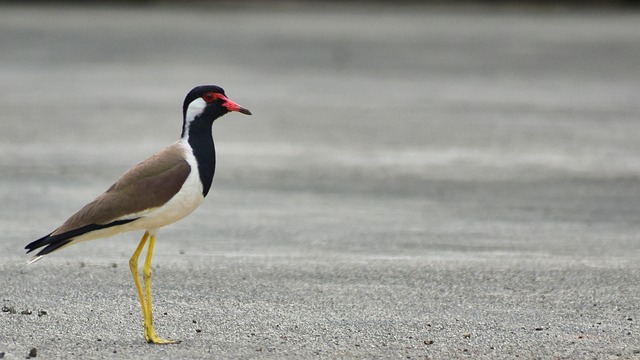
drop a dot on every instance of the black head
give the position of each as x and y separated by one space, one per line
205 104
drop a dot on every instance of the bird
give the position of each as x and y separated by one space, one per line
158 191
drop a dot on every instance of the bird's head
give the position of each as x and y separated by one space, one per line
203 104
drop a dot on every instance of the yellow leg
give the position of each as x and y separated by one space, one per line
145 299
133 265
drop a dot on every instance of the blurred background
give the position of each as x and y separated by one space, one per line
483 154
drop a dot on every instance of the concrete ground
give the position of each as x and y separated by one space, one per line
414 182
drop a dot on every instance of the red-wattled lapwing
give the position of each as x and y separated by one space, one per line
157 192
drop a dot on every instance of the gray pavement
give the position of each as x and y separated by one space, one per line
414 183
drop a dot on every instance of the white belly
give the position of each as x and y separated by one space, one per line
179 206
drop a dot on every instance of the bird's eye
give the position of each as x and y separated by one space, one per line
209 97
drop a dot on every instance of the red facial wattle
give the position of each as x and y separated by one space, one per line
230 105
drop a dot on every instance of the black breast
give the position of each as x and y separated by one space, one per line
201 141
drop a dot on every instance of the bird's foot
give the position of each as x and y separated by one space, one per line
152 338
159 341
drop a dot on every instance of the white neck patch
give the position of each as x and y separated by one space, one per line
196 107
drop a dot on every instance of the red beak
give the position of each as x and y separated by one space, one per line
235 107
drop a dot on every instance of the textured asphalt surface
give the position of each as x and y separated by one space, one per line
414 182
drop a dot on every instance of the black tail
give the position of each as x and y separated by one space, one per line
54 242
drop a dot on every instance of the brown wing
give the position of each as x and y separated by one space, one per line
148 185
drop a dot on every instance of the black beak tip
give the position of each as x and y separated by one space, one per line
244 111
